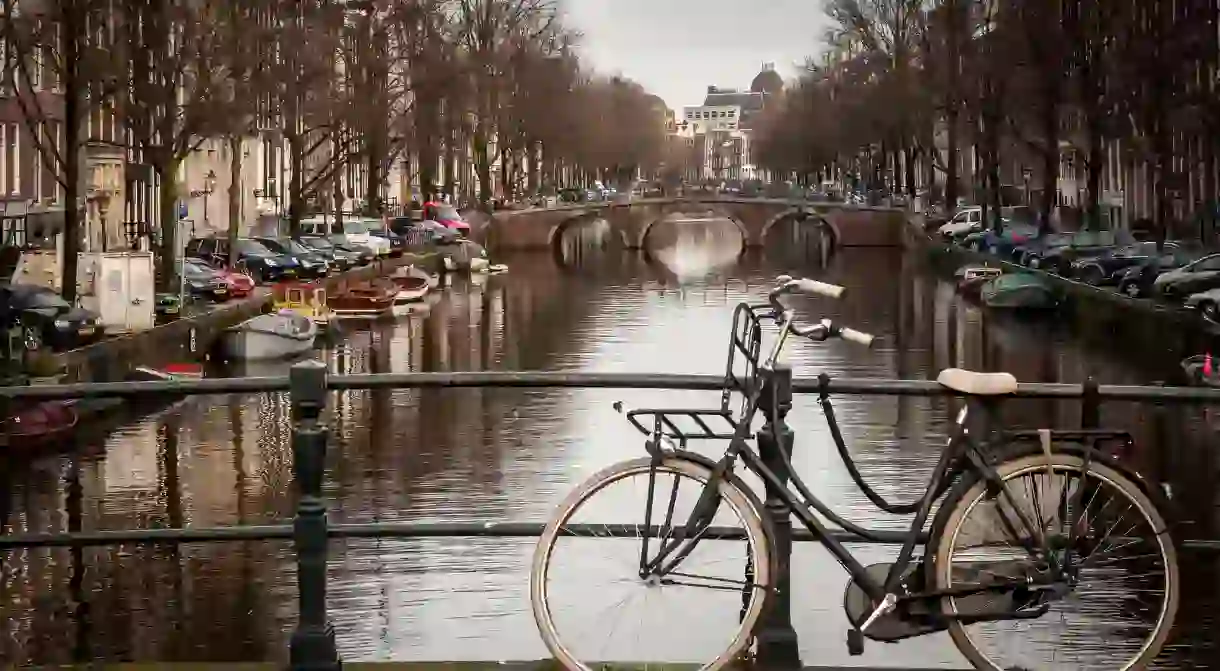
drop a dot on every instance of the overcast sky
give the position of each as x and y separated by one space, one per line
677 48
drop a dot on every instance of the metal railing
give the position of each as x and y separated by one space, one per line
313 643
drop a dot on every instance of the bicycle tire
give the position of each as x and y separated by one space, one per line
1027 458
732 489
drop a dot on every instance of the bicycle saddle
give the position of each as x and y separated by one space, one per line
977 384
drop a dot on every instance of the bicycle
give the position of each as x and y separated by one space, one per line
1048 562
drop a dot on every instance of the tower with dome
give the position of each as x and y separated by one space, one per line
722 126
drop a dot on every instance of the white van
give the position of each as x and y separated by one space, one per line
355 229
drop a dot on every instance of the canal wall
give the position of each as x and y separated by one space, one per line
1097 315
193 338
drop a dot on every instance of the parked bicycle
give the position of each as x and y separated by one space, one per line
1044 532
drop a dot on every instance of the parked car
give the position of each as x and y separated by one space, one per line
1082 245
1011 235
1207 303
314 265
446 214
360 231
1192 278
47 319
260 263
366 254
203 281
425 231
1109 268
1036 247
967 220
398 244
343 259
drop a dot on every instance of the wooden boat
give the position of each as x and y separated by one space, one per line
410 290
274 336
369 299
306 299
32 425
432 279
972 278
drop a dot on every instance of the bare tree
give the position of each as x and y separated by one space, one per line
59 73
177 96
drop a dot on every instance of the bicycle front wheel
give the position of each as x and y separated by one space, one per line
591 604
1103 597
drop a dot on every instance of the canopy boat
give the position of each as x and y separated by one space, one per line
306 299
370 299
972 278
280 335
1020 291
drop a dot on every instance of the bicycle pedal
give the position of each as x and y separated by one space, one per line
855 642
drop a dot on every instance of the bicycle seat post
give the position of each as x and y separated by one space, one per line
775 636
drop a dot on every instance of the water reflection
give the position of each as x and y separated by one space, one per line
513 453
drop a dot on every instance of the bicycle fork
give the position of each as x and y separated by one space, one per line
671 552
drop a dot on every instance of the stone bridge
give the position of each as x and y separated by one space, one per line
631 221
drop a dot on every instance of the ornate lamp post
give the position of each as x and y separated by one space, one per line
209 185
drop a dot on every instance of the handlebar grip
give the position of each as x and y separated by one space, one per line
858 337
807 286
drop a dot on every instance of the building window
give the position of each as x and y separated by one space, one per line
12 166
732 113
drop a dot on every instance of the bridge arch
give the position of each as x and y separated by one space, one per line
810 217
555 235
670 209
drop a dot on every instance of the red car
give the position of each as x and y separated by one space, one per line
240 284
446 214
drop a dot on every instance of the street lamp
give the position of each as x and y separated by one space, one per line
209 185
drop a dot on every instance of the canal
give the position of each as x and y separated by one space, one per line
512 454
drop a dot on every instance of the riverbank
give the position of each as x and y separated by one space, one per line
192 338
1098 316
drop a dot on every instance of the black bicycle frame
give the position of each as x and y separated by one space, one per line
961 452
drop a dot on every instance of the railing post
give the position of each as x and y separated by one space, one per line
312 647
775 637
1090 405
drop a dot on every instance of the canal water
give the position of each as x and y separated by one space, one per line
512 454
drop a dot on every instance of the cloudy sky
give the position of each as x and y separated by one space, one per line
677 48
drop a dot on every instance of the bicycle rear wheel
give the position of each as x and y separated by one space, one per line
722 582
1115 605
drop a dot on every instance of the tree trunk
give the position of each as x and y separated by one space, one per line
70 38
482 163
337 202
235 191
296 184
167 254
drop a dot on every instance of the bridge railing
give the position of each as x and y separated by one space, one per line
313 643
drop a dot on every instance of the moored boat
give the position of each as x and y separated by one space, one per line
972 278
1201 370
413 270
31 425
279 335
370 299
306 299
1025 291
410 290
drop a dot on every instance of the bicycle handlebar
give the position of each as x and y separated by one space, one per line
787 285
825 329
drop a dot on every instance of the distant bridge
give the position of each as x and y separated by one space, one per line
631 222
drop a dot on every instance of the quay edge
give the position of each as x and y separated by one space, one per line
110 359
1099 316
